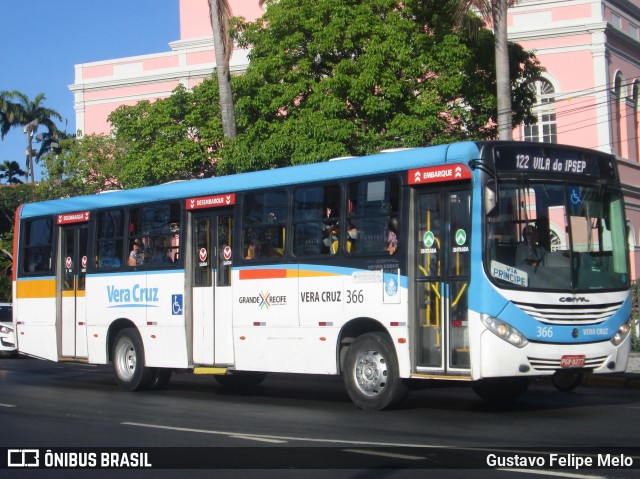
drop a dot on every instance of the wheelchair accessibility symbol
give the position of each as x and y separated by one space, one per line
574 196
176 304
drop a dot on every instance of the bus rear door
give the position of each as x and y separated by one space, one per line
72 295
441 271
212 242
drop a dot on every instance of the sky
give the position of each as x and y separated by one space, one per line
43 40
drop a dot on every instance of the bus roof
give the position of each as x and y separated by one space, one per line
323 171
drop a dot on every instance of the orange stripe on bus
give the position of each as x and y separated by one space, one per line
267 273
281 273
36 288
315 274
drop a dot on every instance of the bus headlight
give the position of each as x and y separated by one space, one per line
505 331
623 332
6 329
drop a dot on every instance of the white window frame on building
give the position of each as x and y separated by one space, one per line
545 127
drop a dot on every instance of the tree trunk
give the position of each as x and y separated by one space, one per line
503 81
222 69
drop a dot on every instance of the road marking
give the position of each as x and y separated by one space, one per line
550 473
385 454
292 438
7 405
260 439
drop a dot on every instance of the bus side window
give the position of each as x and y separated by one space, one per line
109 236
264 219
316 220
38 246
156 228
372 216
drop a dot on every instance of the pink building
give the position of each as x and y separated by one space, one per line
100 87
589 94
587 97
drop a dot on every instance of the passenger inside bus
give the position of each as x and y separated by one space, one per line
529 252
352 236
136 257
392 236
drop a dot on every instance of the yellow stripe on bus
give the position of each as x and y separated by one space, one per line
73 294
36 288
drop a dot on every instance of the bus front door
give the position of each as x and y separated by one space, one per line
442 272
72 295
212 242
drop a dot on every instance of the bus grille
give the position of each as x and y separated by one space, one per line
540 364
570 314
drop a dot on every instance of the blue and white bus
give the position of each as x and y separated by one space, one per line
486 262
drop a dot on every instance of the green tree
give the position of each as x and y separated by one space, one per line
10 171
82 166
21 111
11 196
176 138
351 77
220 13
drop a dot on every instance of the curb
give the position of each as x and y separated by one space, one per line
620 380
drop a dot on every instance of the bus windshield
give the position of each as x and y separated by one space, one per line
555 236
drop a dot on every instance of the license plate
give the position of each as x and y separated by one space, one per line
568 361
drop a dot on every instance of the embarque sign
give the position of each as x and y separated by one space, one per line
435 174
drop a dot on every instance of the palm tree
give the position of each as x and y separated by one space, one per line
223 44
495 12
50 141
8 112
10 170
28 114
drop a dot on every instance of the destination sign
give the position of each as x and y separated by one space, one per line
77 217
434 174
214 201
553 160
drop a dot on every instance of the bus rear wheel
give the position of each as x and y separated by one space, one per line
128 362
566 381
371 374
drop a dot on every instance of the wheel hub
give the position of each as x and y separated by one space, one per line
371 372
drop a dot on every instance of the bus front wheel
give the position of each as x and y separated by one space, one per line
371 374
128 362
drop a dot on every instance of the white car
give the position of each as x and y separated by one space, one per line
7 337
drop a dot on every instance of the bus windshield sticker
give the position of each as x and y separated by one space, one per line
367 276
509 274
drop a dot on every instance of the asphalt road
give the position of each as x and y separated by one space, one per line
305 426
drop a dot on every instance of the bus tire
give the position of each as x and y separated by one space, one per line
161 378
371 374
128 362
566 381
500 390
